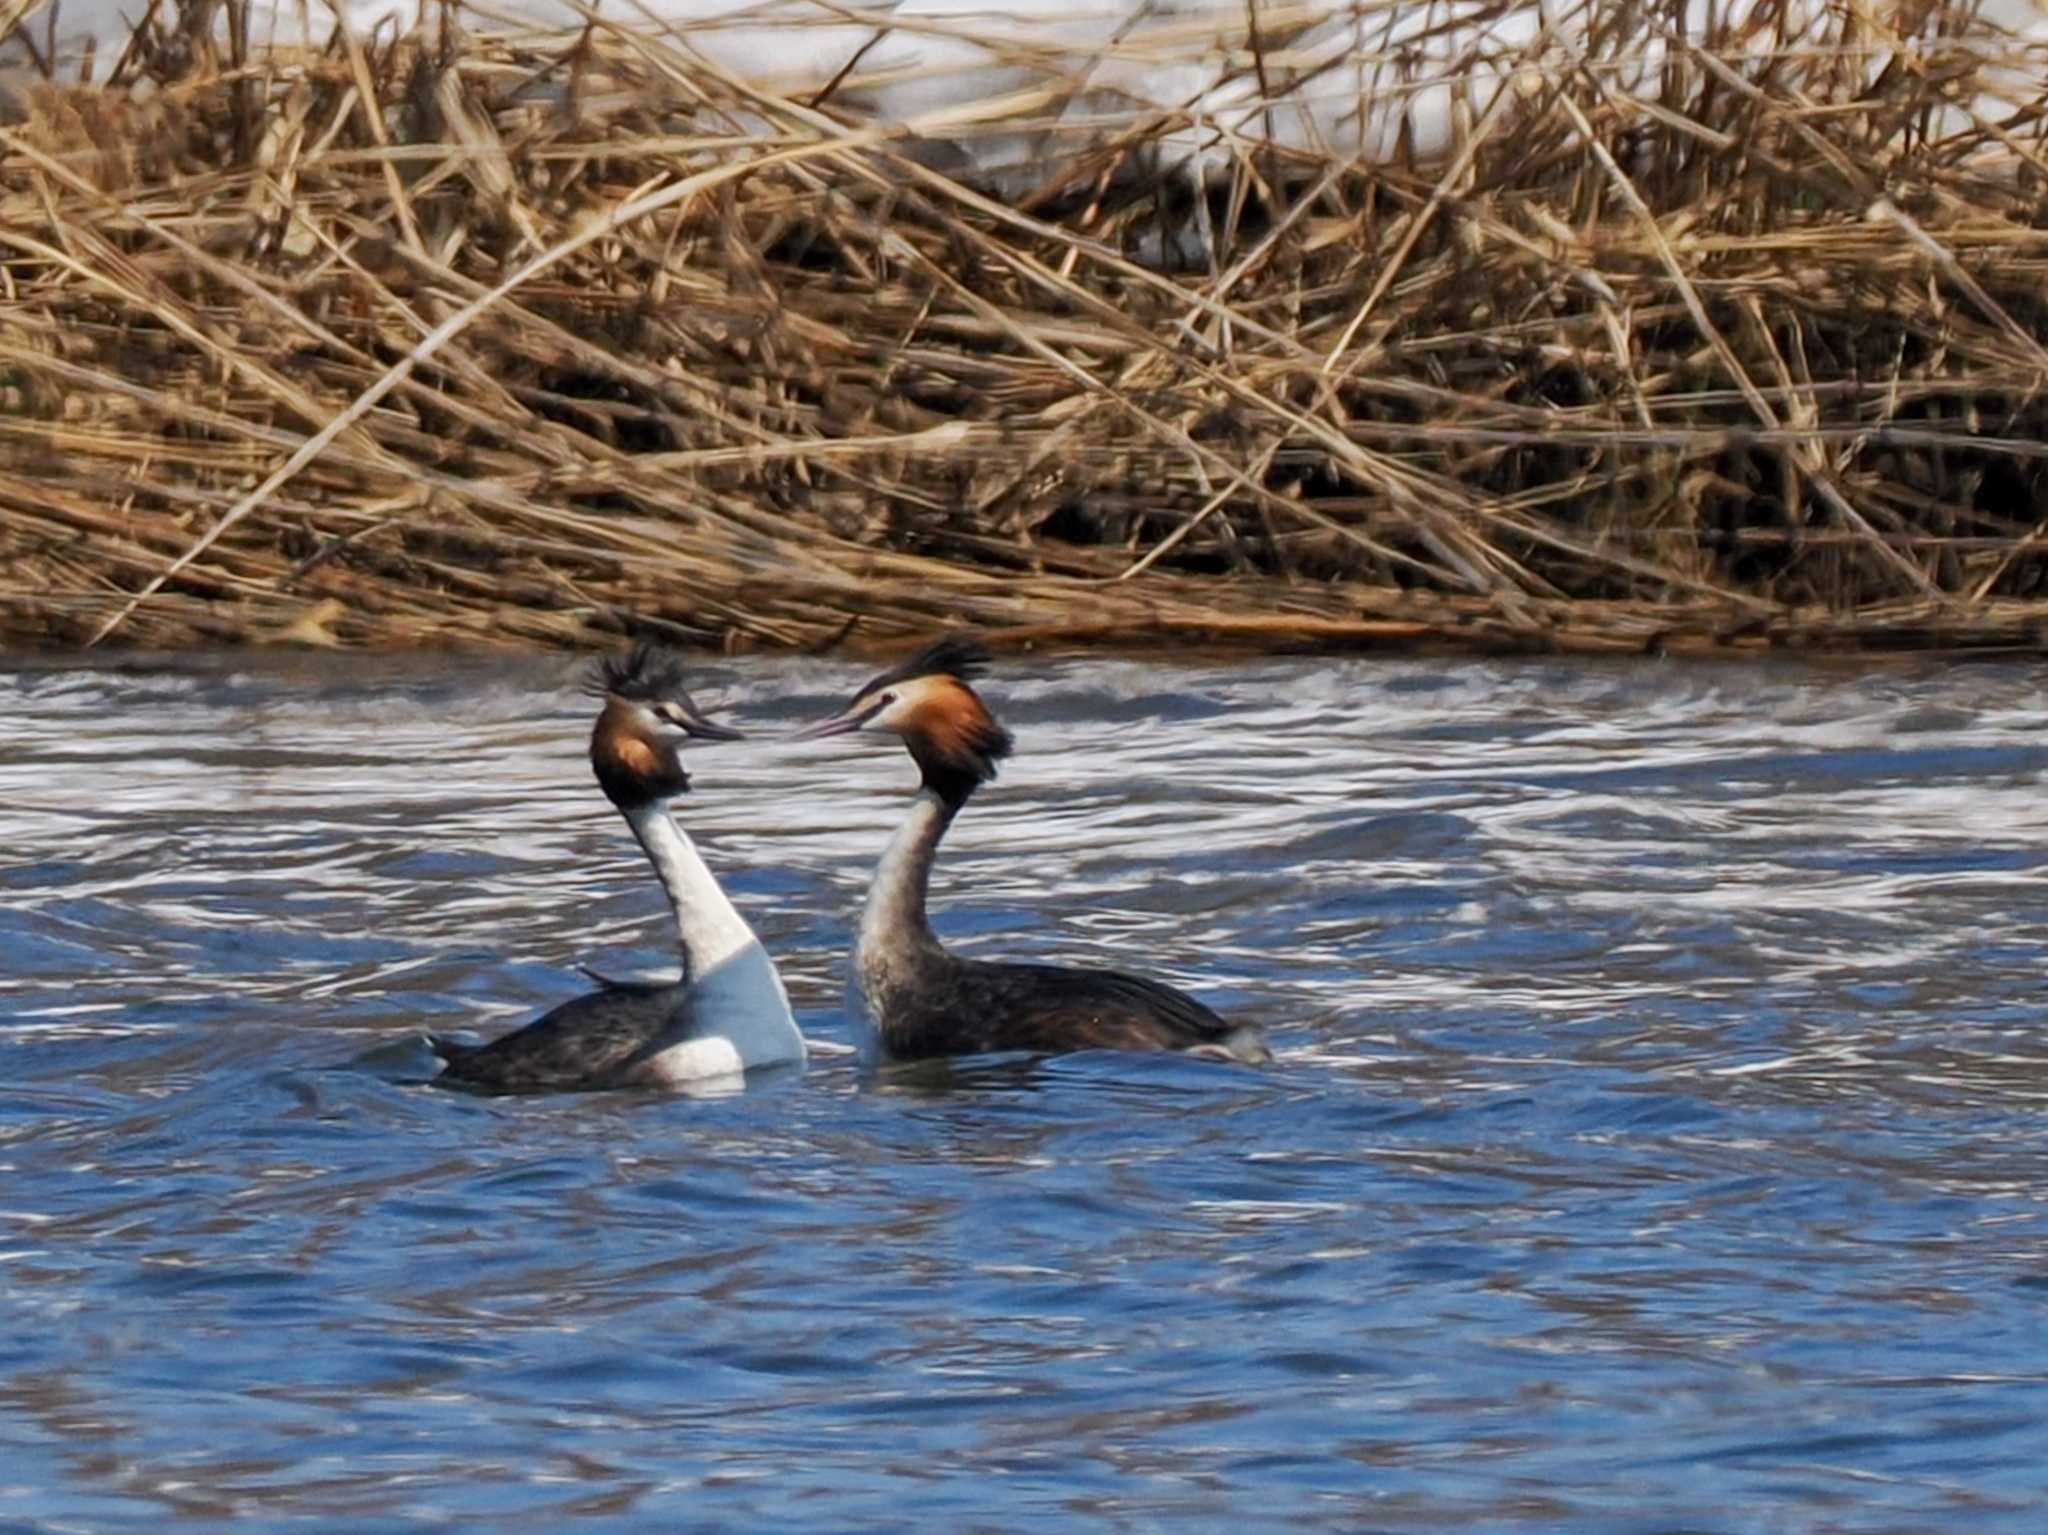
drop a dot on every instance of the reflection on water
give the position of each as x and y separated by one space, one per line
1657 1140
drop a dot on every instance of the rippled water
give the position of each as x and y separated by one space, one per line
1657 1142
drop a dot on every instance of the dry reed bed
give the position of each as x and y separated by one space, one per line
536 342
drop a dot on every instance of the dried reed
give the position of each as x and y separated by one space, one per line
502 340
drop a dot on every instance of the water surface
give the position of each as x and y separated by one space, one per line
1657 1140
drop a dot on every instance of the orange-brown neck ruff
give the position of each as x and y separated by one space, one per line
631 769
955 740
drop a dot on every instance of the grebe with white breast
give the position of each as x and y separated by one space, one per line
923 1001
728 1013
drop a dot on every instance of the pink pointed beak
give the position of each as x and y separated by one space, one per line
837 725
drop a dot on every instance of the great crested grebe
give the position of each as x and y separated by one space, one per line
923 1001
728 1013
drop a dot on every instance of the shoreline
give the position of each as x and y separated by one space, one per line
1429 626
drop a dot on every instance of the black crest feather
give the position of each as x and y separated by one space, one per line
953 656
645 674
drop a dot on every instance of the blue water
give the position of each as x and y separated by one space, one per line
1659 1140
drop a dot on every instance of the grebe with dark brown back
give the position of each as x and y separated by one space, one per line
923 1001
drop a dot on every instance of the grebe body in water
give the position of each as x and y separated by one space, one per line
923 1001
728 1013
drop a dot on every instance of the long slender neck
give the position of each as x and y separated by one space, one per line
894 916
708 927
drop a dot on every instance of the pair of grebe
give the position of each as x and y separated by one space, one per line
728 1012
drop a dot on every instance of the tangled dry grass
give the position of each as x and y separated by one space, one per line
541 340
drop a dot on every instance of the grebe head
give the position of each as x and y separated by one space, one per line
929 704
636 745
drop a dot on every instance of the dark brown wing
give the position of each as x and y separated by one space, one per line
589 1042
976 1007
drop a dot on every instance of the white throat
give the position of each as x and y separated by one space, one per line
734 989
708 927
895 911
895 943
